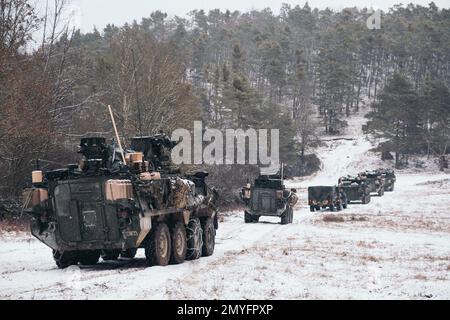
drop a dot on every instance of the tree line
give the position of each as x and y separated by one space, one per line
303 71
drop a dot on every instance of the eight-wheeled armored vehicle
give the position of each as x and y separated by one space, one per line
269 197
109 205
322 197
355 189
390 179
375 180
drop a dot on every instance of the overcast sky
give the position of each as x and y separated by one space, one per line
98 13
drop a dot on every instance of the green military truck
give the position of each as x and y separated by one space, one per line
356 189
375 181
321 197
390 179
108 206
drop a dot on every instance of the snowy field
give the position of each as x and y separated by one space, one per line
396 247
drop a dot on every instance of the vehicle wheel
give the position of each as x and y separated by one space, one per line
332 208
339 207
110 255
194 239
312 208
65 259
179 243
209 237
128 253
250 218
158 245
88 258
285 217
318 208
291 215
392 188
345 204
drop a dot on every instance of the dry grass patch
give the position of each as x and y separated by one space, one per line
359 218
333 218
14 226
370 258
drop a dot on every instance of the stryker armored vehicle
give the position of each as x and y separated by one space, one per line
110 206
390 179
375 180
355 189
269 197
322 197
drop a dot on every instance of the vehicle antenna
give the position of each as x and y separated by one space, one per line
117 135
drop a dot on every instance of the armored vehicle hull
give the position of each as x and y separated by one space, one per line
322 197
390 180
354 193
355 189
375 182
269 197
108 209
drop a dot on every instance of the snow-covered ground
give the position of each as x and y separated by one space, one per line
396 247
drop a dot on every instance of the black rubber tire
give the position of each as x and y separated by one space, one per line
128 253
158 246
248 218
286 217
291 215
209 237
88 258
179 243
65 259
332 208
312 209
194 239
366 199
339 207
110 255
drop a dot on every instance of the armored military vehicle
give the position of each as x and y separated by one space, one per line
355 189
390 179
269 197
375 180
322 197
110 206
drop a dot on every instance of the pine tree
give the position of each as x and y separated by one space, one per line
395 118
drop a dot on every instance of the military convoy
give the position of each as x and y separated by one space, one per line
350 189
269 197
116 201
109 206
